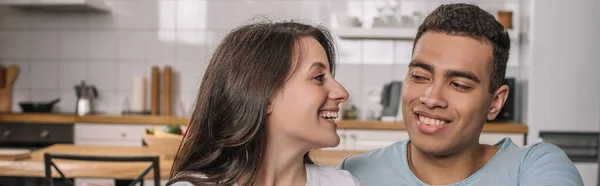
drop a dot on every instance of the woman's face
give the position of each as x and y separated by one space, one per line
303 111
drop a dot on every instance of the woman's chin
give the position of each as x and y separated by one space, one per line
327 143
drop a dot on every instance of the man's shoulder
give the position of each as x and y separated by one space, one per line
383 166
386 154
544 163
544 152
536 150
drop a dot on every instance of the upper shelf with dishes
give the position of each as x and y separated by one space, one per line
399 19
88 6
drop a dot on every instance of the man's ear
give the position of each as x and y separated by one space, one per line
498 100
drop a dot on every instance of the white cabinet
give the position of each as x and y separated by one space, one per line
109 134
365 140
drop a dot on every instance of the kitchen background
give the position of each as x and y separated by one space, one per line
554 56
55 51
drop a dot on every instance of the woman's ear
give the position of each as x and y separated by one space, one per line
269 108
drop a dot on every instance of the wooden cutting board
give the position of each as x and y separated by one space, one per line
6 92
2 76
14 154
168 92
155 91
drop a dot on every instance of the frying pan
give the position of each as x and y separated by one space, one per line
38 107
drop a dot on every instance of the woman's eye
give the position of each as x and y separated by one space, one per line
319 77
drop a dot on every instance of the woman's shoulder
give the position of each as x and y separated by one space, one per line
327 175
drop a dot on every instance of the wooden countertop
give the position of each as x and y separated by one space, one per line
169 120
34 166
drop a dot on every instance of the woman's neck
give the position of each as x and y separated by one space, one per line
282 164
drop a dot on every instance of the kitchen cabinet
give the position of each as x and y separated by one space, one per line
110 134
365 140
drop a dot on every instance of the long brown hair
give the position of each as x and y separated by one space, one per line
226 138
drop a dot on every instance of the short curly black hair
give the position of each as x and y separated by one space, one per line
469 20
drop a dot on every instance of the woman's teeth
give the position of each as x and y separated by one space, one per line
431 121
331 116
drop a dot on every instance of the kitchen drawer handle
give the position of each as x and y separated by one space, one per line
44 134
6 133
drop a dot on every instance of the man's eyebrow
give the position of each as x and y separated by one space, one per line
420 64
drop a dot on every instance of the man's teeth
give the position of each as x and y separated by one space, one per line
331 116
431 121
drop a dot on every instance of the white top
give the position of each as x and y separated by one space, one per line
316 176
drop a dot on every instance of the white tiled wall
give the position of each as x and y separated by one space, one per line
57 50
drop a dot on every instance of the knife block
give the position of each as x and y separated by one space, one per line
6 100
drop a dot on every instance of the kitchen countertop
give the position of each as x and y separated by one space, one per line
496 127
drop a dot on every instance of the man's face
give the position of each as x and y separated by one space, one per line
445 95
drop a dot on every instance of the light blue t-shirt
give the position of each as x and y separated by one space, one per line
537 164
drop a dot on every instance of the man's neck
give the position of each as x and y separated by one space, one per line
282 165
440 170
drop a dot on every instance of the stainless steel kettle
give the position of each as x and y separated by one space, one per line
85 96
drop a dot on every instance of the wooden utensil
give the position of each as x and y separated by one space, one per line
6 93
11 75
505 18
155 94
2 76
167 94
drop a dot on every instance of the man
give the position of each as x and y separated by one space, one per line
453 85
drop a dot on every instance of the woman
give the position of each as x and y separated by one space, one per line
267 98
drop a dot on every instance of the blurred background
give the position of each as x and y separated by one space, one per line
111 47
